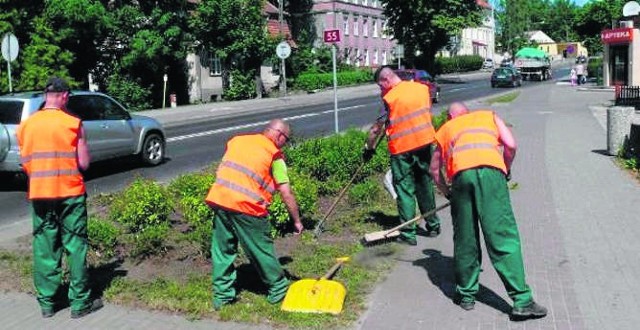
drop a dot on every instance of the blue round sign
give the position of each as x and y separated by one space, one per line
570 49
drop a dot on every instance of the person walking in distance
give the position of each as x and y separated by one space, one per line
410 135
468 145
244 186
53 150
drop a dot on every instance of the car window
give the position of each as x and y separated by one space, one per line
85 107
11 112
110 110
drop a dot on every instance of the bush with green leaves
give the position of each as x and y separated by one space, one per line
242 86
129 92
144 203
150 241
103 236
192 185
461 63
439 119
306 192
594 67
333 160
365 192
311 81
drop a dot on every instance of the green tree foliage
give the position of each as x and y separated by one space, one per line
234 31
427 26
594 17
514 20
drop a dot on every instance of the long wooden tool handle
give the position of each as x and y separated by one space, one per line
318 228
416 219
333 270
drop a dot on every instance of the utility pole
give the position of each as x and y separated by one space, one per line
283 74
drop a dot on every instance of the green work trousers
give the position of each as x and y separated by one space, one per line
480 201
254 236
60 225
411 181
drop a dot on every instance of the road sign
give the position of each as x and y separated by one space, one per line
331 36
10 47
570 49
399 51
283 50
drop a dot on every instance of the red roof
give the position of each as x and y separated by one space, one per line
273 27
483 4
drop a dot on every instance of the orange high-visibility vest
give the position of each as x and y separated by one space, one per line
48 143
244 182
409 124
470 141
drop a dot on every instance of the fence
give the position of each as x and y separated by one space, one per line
628 96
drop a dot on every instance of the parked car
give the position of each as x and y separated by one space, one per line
487 64
506 76
111 131
424 78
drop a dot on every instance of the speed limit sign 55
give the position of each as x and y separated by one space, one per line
331 36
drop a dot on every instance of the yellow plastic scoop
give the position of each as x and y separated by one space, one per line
317 295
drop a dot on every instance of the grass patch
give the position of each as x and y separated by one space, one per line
505 98
16 271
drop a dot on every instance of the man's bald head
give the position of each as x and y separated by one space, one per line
457 109
278 131
386 78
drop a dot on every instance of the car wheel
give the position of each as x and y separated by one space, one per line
153 149
5 142
514 84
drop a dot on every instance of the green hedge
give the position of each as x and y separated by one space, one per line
462 63
594 67
311 81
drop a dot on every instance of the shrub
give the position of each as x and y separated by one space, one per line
145 203
192 185
439 119
103 236
462 63
130 93
333 160
594 67
306 192
365 192
311 81
199 216
150 241
241 86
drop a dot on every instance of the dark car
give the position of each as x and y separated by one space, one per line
423 77
506 76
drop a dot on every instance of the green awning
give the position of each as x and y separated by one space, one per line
531 53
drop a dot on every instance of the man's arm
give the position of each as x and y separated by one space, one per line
434 169
82 153
507 140
292 205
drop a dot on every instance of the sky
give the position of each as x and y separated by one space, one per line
577 2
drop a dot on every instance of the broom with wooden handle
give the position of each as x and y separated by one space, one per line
387 235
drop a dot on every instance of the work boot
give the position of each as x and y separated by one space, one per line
407 241
47 313
531 311
95 305
432 232
467 305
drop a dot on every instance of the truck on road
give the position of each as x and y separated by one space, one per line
533 64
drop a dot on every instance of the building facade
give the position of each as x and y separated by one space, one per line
365 40
621 53
479 40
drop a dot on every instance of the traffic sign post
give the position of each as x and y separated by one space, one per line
283 51
10 50
333 36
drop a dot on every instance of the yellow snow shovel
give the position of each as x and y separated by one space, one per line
317 295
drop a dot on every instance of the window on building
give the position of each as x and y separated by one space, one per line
383 32
358 57
374 3
384 57
366 58
355 27
364 2
345 25
375 28
365 27
375 57
215 66
346 57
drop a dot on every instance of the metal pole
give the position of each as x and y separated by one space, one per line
284 78
9 72
282 37
398 63
335 87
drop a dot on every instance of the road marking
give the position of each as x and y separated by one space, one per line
458 89
261 123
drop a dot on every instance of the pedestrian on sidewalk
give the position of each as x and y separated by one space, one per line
53 150
251 170
573 76
468 146
410 135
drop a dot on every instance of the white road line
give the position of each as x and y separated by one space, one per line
235 128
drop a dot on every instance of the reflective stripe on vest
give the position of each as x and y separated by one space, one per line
409 125
243 180
48 142
470 141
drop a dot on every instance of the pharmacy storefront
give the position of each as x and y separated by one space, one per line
621 52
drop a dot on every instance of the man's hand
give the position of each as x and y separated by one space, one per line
298 227
367 154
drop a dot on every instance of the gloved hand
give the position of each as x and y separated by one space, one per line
367 154
508 177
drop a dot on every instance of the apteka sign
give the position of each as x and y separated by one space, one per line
615 36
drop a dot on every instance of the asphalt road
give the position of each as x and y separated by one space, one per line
194 146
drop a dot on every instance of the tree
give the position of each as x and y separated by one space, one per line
513 20
424 27
594 17
233 30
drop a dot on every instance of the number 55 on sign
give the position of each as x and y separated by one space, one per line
331 36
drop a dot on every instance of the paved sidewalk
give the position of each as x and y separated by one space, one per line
577 217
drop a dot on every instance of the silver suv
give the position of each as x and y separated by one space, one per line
111 131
